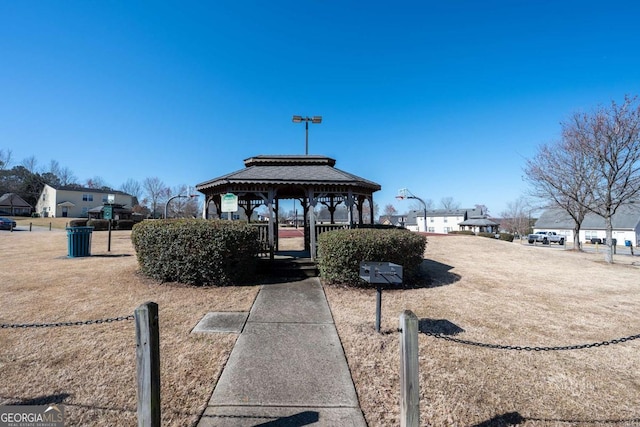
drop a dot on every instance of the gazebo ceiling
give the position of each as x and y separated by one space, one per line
289 174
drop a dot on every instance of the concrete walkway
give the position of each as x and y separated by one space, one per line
287 367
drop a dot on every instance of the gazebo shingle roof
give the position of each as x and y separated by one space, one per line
307 170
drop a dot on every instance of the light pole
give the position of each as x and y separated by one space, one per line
406 194
306 120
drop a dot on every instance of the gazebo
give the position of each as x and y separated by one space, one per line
311 179
479 225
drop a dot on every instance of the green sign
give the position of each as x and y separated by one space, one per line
229 203
107 212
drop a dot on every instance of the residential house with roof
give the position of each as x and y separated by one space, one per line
443 221
13 205
396 220
625 222
76 202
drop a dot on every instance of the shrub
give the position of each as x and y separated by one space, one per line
463 232
98 224
379 226
196 251
341 251
490 235
506 237
78 223
124 224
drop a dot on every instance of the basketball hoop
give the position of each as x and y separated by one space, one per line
403 193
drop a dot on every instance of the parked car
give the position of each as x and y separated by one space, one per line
546 237
7 224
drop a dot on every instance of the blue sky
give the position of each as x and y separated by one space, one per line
445 98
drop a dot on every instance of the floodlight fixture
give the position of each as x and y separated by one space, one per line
306 120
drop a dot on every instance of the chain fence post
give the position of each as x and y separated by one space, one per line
409 380
148 364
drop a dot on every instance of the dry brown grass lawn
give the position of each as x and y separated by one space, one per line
496 292
23 223
91 369
503 293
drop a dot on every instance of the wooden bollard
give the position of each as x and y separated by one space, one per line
409 379
148 364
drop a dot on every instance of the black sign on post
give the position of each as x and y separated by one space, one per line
380 273
107 213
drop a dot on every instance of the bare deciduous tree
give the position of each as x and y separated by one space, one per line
64 174
516 218
610 138
5 159
448 203
183 206
30 164
156 192
595 167
419 207
132 187
97 182
390 210
561 175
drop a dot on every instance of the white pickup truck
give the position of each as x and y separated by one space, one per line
546 238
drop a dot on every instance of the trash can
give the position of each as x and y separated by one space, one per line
627 243
79 241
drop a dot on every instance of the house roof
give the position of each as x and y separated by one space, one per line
13 200
88 190
392 219
290 170
443 212
478 222
627 217
468 213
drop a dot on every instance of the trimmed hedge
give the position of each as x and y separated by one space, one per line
508 237
489 235
124 224
463 233
341 251
78 223
502 236
98 224
195 251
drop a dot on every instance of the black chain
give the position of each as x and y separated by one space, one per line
52 325
521 348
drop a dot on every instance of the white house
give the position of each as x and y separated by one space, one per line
444 221
75 202
626 224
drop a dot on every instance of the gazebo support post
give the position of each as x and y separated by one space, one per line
371 213
312 224
270 198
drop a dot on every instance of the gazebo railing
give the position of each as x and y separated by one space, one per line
263 237
323 228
